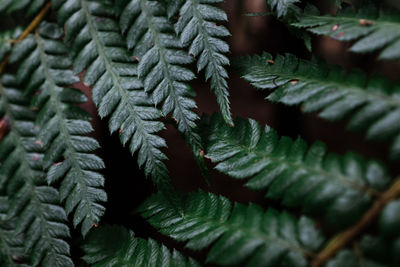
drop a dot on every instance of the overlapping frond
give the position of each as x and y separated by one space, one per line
339 187
374 29
117 246
372 106
118 93
161 63
282 7
34 204
31 6
11 244
69 156
198 28
238 235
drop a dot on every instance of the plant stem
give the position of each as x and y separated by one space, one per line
35 22
341 240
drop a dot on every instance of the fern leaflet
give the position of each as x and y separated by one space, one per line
197 28
99 49
116 246
309 177
161 57
69 153
373 106
373 29
240 234
37 205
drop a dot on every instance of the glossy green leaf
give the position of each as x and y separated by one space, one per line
370 105
237 235
339 187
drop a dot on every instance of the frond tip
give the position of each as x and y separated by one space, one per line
116 246
198 29
237 235
321 183
372 106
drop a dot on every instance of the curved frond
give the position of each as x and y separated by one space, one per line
161 63
118 93
373 29
372 106
117 246
197 27
34 204
31 6
237 235
339 187
11 244
69 155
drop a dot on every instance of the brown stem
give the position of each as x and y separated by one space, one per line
343 239
35 22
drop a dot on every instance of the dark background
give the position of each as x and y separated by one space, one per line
125 183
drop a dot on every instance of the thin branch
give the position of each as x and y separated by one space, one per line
35 22
343 239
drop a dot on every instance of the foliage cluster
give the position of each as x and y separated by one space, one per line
140 58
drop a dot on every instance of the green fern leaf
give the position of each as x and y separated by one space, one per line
6 38
197 27
11 6
118 93
37 205
69 156
161 58
11 244
239 234
339 187
116 246
372 106
373 29
282 7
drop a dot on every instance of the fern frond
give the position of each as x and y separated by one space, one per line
118 93
339 187
239 234
11 244
117 246
373 29
197 27
372 106
35 205
161 60
282 7
69 156
31 6
6 39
